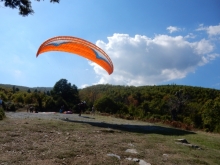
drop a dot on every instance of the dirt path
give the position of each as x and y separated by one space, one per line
99 121
46 115
74 117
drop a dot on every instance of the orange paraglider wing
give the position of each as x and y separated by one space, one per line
80 47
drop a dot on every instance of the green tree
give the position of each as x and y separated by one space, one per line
2 113
39 96
18 97
63 90
50 103
29 98
106 104
211 115
193 114
145 107
122 109
177 102
17 89
24 6
48 93
13 89
3 96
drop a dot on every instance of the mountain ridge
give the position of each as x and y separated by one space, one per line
25 88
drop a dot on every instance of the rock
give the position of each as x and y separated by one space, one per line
134 151
114 155
130 144
165 155
182 140
136 160
186 143
140 161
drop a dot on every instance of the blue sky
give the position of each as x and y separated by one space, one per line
150 42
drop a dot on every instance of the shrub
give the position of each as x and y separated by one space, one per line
122 109
50 104
106 105
2 113
10 106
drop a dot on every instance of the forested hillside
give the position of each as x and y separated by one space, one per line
41 98
191 107
196 107
24 88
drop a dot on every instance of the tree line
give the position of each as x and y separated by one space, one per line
191 107
63 93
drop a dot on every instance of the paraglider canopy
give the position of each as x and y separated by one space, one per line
80 47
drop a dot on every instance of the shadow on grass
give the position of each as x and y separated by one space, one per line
135 128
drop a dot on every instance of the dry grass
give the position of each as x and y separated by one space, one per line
34 141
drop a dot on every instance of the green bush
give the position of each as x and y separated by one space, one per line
2 113
59 102
50 104
166 117
211 115
3 96
122 109
10 107
106 105
188 121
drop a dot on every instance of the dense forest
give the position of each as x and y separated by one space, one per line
195 107
181 106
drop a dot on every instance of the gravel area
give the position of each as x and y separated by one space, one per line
98 120
49 115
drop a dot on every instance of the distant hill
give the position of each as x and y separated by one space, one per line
24 88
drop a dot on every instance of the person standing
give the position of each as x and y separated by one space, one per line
80 109
1 102
93 110
28 108
62 109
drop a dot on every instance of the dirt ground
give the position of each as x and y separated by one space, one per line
53 138
67 139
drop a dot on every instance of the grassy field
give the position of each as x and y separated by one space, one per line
104 141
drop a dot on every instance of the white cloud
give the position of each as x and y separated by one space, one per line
140 60
190 35
172 29
203 46
84 86
212 56
211 30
